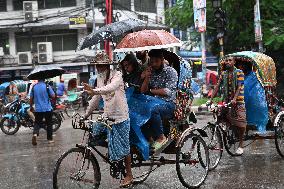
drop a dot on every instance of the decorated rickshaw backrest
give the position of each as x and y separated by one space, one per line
263 66
184 93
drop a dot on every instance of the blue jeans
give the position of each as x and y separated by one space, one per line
160 112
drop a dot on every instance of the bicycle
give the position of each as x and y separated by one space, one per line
191 154
223 134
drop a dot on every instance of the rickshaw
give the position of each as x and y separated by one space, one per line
184 140
259 91
4 90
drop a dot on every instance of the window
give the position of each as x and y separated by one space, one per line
3 6
62 40
145 6
97 3
49 4
18 4
121 4
4 42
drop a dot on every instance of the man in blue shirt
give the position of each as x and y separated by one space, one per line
61 88
40 96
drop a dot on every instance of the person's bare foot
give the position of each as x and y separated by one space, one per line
127 182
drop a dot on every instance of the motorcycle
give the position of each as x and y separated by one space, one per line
17 114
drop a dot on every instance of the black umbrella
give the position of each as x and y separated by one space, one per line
116 29
45 71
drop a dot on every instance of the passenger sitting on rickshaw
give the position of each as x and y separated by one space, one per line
61 88
144 58
131 71
72 90
232 80
161 82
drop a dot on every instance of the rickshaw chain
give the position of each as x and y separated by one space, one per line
250 143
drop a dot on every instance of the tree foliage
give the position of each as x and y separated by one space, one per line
240 18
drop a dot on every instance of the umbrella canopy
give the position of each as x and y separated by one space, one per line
45 71
116 29
147 40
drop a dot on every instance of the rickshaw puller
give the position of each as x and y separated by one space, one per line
111 89
233 83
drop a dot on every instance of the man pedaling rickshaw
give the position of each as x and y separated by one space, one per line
232 81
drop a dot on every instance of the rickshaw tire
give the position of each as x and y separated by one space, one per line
70 106
146 175
59 120
9 133
220 141
91 157
76 105
201 142
276 129
225 140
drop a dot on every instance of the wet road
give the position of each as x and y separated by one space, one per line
24 166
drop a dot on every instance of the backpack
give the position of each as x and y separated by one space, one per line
52 100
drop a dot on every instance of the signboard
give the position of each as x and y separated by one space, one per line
77 22
199 9
73 69
257 23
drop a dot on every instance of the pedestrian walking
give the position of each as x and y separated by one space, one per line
41 94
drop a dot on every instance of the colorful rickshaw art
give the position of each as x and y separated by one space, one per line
260 85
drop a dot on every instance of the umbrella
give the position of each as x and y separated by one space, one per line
146 40
116 29
45 71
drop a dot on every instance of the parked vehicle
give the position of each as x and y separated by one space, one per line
17 114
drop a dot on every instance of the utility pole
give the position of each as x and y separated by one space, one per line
257 26
93 10
203 55
108 21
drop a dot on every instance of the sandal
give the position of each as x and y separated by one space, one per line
158 145
127 184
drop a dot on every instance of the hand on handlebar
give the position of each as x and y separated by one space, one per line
209 102
233 102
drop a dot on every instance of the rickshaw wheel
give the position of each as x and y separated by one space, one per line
70 111
215 145
10 129
192 161
279 136
140 168
231 140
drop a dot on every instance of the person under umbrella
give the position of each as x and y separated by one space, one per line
40 96
131 71
110 87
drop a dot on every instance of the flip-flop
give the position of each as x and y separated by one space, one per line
158 145
126 185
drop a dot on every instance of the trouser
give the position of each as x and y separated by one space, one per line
39 123
160 112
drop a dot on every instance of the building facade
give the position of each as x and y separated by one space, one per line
37 32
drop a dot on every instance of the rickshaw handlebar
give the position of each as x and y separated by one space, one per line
106 121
